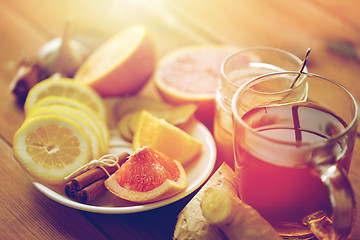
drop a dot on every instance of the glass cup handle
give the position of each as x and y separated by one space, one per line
343 204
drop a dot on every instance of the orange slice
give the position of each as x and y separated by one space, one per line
191 75
121 65
147 176
166 138
128 110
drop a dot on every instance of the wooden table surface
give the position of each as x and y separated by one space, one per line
331 28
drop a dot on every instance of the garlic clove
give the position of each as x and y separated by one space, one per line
62 54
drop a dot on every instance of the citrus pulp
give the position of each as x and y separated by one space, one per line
121 65
191 75
85 122
68 88
166 138
51 147
147 176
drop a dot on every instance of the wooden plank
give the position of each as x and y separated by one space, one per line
264 22
18 38
111 17
154 224
355 181
346 11
28 214
291 25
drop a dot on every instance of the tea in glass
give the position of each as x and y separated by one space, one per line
237 69
287 150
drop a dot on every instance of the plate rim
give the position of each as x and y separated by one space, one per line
64 200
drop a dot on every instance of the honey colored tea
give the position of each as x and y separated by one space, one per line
277 177
223 132
236 70
223 122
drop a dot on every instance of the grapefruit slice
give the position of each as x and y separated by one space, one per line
121 65
147 176
191 75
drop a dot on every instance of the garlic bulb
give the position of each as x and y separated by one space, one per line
62 55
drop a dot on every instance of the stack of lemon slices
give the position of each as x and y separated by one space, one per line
65 127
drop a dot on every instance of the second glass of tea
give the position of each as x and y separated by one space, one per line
237 69
292 156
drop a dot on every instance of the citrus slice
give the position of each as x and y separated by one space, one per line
121 65
128 111
147 176
58 100
51 147
166 138
68 102
65 87
191 75
125 125
85 122
175 114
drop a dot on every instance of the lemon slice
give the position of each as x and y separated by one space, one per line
50 147
68 88
166 138
122 65
63 101
85 122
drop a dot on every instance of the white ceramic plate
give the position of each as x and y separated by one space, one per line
197 173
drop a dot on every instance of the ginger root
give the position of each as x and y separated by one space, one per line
191 223
217 213
235 218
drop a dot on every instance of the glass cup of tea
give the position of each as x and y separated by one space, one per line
236 69
292 157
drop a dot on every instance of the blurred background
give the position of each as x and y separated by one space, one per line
331 28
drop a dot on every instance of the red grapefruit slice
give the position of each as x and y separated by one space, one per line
147 176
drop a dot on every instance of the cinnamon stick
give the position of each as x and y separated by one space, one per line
91 176
70 191
89 185
86 195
